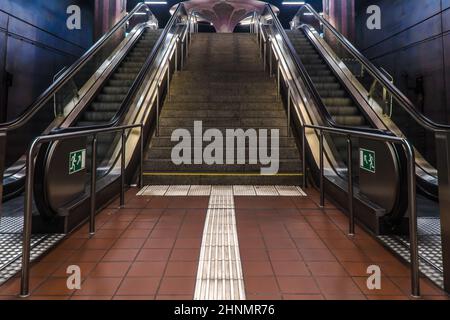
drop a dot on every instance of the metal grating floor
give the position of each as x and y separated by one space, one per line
11 251
11 246
430 250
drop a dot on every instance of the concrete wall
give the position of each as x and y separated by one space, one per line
413 44
34 45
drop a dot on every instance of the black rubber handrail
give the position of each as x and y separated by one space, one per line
136 83
69 73
326 116
405 103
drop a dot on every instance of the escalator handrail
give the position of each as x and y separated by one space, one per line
70 72
405 103
325 115
136 83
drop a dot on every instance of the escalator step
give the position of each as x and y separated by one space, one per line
110 97
115 89
98 116
105 106
337 101
342 111
350 120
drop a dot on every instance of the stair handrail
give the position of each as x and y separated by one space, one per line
70 72
404 101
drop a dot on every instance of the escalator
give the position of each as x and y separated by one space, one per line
340 64
70 92
333 85
334 96
115 83
343 96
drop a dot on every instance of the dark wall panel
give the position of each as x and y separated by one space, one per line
413 43
39 44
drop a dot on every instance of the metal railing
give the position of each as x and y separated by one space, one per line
285 69
168 55
30 169
411 173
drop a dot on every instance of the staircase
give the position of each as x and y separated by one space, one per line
224 86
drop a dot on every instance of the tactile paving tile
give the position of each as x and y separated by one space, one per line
11 251
289 191
219 275
244 191
155 191
141 192
199 191
303 193
177 191
221 202
222 190
266 191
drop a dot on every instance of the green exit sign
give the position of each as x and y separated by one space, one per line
77 161
367 160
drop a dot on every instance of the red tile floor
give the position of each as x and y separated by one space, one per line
290 249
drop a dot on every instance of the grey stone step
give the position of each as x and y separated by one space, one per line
222 180
166 165
223 98
167 131
165 141
220 105
223 122
231 113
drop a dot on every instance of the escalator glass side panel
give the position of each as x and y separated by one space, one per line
68 91
391 107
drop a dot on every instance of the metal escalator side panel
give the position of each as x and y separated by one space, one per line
140 109
426 173
307 111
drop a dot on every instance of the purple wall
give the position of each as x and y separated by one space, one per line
34 45
413 44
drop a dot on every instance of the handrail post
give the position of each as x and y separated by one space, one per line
26 241
289 112
176 53
182 55
168 79
351 217
270 60
141 165
413 241
122 170
157 110
304 157
278 80
322 189
93 186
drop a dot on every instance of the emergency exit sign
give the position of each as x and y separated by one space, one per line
367 160
77 161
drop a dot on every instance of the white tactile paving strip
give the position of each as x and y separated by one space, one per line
219 275
237 190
